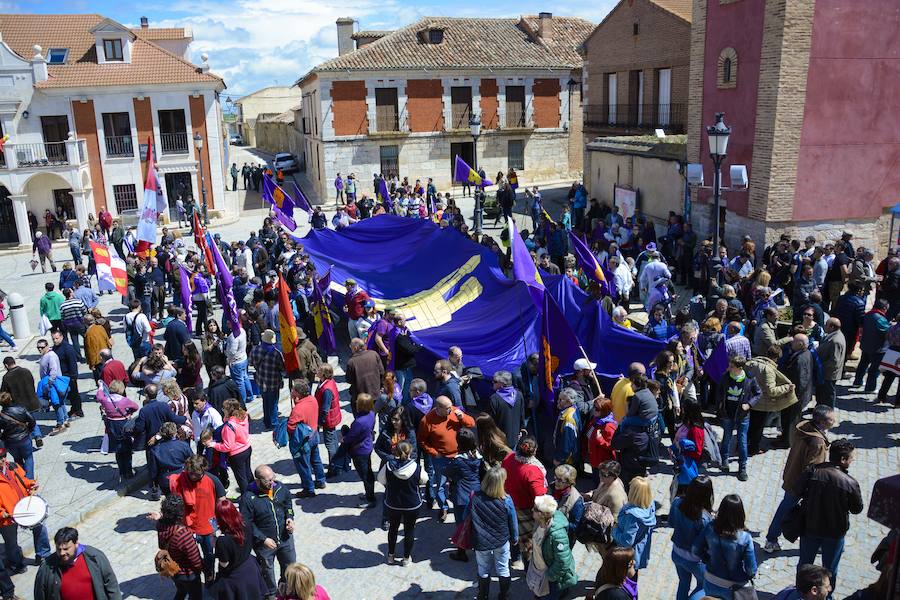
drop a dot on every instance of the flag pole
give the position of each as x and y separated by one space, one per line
593 374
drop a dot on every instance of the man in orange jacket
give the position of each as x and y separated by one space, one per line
14 486
437 436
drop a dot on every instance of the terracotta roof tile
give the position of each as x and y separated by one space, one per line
371 33
149 65
471 43
160 33
680 8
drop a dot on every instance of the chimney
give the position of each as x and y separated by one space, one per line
204 66
344 35
145 23
39 65
544 31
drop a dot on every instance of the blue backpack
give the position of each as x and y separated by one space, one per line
300 439
280 433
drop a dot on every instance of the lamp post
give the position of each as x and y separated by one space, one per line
198 144
475 127
718 144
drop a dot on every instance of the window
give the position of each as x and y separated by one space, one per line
635 29
57 56
461 106
173 135
386 110
126 197
435 36
515 106
726 76
112 50
390 160
117 129
516 154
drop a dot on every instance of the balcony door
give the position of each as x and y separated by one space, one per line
117 130
461 106
665 96
386 110
55 129
173 135
612 90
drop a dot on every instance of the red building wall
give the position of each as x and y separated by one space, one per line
425 104
546 102
350 110
849 164
489 103
737 25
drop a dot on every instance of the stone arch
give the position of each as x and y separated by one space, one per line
727 69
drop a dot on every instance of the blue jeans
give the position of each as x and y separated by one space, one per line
438 483
207 545
12 551
716 591
284 552
61 414
7 338
270 408
23 453
687 569
868 366
140 350
832 549
787 503
308 463
239 375
404 377
330 439
728 425
76 254
498 557
145 304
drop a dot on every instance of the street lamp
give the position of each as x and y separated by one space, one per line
718 144
198 144
475 126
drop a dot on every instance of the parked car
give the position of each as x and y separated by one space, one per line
236 140
286 162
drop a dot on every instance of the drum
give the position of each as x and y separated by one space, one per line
30 511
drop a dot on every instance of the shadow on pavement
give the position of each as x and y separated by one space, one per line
106 475
135 523
149 587
348 557
87 445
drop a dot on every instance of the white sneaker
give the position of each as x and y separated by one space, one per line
771 547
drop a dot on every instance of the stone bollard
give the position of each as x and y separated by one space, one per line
18 316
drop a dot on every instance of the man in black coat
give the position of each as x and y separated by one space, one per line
68 366
221 388
507 407
148 422
18 382
176 335
800 369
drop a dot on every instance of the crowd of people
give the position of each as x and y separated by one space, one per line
523 485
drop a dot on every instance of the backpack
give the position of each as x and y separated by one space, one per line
596 525
131 331
280 434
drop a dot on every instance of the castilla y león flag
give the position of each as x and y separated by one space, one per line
111 274
146 229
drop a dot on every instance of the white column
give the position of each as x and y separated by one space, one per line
402 100
564 98
326 111
79 199
501 103
370 105
475 82
446 103
20 212
529 102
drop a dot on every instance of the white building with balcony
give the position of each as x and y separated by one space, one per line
80 97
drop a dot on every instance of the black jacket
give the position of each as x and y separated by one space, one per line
176 335
829 495
48 580
401 481
19 382
151 417
405 352
267 517
68 360
220 391
799 369
510 419
16 424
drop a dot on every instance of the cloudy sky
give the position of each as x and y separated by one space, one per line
258 43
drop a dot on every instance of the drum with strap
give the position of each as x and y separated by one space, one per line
30 511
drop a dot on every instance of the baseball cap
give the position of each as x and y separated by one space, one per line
582 363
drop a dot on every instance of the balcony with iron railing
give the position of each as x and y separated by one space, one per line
643 117
387 121
46 155
515 117
460 114
119 146
174 143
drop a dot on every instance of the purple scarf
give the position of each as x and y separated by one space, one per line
423 403
508 394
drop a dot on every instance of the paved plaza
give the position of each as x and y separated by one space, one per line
344 544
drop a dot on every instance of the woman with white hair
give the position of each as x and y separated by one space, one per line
620 317
552 568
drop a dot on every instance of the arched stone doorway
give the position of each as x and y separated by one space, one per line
8 232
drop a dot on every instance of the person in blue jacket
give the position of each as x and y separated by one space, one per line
636 522
495 529
688 517
726 549
463 472
357 444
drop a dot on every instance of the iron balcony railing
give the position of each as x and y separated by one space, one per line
670 117
119 145
174 143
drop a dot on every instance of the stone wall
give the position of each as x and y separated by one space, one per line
429 156
659 185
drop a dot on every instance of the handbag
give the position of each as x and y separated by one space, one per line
462 537
537 580
165 564
744 592
794 523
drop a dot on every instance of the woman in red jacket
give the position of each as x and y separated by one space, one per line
600 435
526 479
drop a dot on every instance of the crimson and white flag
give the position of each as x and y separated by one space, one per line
146 229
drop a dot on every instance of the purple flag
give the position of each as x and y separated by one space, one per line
385 195
588 262
463 173
524 269
300 200
282 204
186 302
322 314
558 352
225 287
717 363
388 333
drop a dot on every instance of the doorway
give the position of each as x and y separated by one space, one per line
62 198
9 234
178 185
464 150
55 129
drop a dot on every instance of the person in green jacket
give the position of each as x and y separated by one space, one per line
50 303
552 568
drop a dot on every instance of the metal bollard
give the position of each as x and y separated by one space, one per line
17 313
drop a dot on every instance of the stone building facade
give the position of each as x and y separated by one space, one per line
807 87
401 101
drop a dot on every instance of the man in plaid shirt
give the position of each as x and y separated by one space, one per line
268 362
